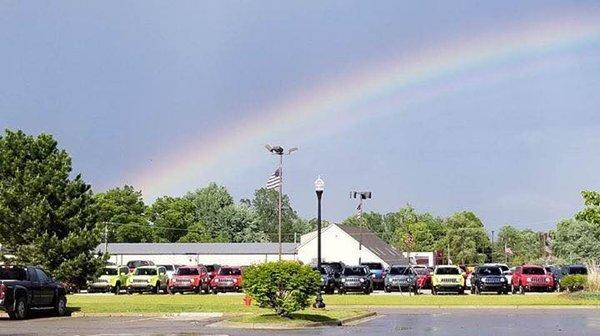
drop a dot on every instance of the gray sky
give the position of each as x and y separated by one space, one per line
128 87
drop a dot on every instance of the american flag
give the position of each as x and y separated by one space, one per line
274 180
359 211
409 240
508 251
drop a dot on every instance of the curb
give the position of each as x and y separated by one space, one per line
182 315
310 325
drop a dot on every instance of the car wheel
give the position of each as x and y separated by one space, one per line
206 289
21 309
157 288
386 289
513 289
60 306
433 291
117 289
461 291
215 291
521 290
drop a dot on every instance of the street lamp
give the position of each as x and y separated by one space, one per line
319 186
278 150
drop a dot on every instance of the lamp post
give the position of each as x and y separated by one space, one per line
319 186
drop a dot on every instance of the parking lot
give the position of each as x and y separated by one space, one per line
416 321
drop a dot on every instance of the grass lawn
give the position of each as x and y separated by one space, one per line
147 303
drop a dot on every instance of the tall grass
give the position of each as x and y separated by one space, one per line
593 278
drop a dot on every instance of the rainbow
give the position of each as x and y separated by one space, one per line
333 99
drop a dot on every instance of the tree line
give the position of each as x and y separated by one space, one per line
49 216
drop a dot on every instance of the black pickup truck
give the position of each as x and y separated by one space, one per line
23 288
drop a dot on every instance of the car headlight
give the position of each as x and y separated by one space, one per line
484 280
502 279
362 280
343 280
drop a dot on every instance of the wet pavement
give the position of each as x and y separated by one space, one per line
418 321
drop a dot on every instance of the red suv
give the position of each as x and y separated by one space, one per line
531 278
190 279
227 279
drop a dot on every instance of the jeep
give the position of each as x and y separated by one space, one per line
190 279
377 272
327 279
356 279
151 279
113 278
447 278
528 278
227 279
401 278
489 279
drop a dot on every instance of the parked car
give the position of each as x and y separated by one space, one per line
505 270
401 278
212 270
378 273
171 269
133 264
356 279
190 279
556 273
531 278
227 279
447 278
327 279
148 279
423 277
23 288
569 270
113 278
489 279
338 268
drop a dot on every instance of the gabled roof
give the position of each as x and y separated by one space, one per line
371 241
198 248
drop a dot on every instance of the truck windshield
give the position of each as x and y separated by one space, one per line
489 271
187 271
534 271
145 271
12 273
110 271
447 271
230 271
357 271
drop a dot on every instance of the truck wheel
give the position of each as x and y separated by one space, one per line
60 306
21 309
117 288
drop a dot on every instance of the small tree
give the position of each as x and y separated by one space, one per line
284 286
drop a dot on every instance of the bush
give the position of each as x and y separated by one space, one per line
593 277
284 286
573 283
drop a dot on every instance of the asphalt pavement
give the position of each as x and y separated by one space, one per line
418 321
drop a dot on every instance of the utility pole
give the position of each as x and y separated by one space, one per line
106 237
278 150
492 246
361 195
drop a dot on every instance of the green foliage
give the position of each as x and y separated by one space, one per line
577 241
134 233
120 206
467 238
284 286
197 233
172 216
573 283
46 217
208 202
525 245
265 203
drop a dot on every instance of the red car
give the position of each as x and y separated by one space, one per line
528 278
190 279
423 277
212 270
227 279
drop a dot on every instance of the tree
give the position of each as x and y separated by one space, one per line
284 286
46 217
197 233
171 217
266 203
426 230
240 224
467 238
371 220
120 206
526 245
134 233
208 203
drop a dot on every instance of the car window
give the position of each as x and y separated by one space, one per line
578 270
397 270
187 271
534 271
168 267
230 271
355 271
447 271
145 271
421 271
12 273
489 271
42 276
162 270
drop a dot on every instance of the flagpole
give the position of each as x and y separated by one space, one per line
280 192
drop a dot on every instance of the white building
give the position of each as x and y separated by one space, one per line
232 254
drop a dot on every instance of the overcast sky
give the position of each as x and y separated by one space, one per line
124 85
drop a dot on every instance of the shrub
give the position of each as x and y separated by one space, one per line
573 283
284 286
593 278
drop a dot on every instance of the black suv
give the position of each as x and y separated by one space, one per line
356 279
489 279
327 279
23 288
337 267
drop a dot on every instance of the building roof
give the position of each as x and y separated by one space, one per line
198 248
371 241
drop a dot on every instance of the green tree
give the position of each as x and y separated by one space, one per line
171 217
284 286
467 238
134 233
240 224
426 230
46 217
208 203
526 245
120 206
197 233
265 203
373 221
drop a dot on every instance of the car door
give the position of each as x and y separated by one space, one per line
162 276
47 288
35 287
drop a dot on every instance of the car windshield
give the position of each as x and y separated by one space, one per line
110 271
12 273
447 271
337 267
397 270
534 271
357 271
230 271
169 268
578 270
503 268
138 263
373 266
187 271
421 271
489 271
145 271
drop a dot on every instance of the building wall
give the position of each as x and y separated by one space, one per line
336 245
192 259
